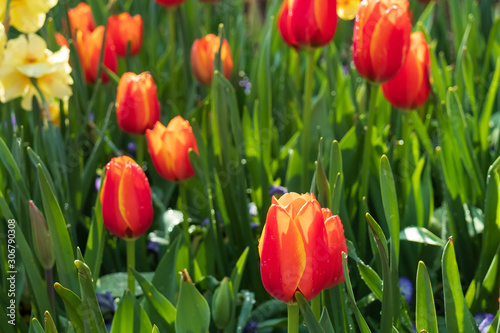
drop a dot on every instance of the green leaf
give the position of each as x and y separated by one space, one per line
458 317
425 308
159 302
73 306
63 249
10 164
92 316
484 123
193 312
246 309
325 322
237 273
155 329
165 277
371 278
420 235
50 327
117 282
95 241
390 202
310 320
36 327
130 316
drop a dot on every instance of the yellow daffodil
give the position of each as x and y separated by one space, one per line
27 15
27 59
347 9
55 110
3 40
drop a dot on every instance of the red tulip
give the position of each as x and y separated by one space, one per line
89 46
381 38
336 245
81 18
123 29
294 253
127 209
169 3
307 23
203 54
169 149
137 107
61 40
410 88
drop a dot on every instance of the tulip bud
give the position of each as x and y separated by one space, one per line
307 23
123 29
381 38
169 3
203 54
169 149
222 304
89 46
81 18
137 107
127 209
410 88
41 238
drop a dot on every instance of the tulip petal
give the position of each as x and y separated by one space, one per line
283 258
310 223
336 245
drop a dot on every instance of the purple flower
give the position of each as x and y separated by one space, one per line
13 120
274 189
91 116
97 183
483 321
251 327
246 85
254 225
106 302
406 289
205 222
132 149
153 246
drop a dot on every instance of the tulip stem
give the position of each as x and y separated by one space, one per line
293 318
184 209
316 306
49 280
208 15
171 32
306 129
140 149
131 264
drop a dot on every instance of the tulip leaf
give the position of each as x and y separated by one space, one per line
363 326
325 322
484 123
159 302
458 317
371 278
420 235
9 163
390 202
193 312
36 327
95 240
425 308
237 273
130 316
50 327
73 305
92 316
58 233
155 329
246 309
165 276
310 320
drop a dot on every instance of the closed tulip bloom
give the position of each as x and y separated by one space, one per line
169 3
89 46
41 237
123 29
347 9
381 38
169 148
203 54
127 209
81 18
293 248
137 107
307 23
336 245
410 88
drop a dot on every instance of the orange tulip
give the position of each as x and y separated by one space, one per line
307 23
294 252
169 3
336 245
137 107
381 38
410 88
169 148
127 209
81 18
89 46
61 40
203 54
124 28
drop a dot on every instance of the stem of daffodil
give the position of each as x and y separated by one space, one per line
367 151
131 264
306 129
6 20
316 306
45 105
49 280
293 318
140 149
171 31
184 209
